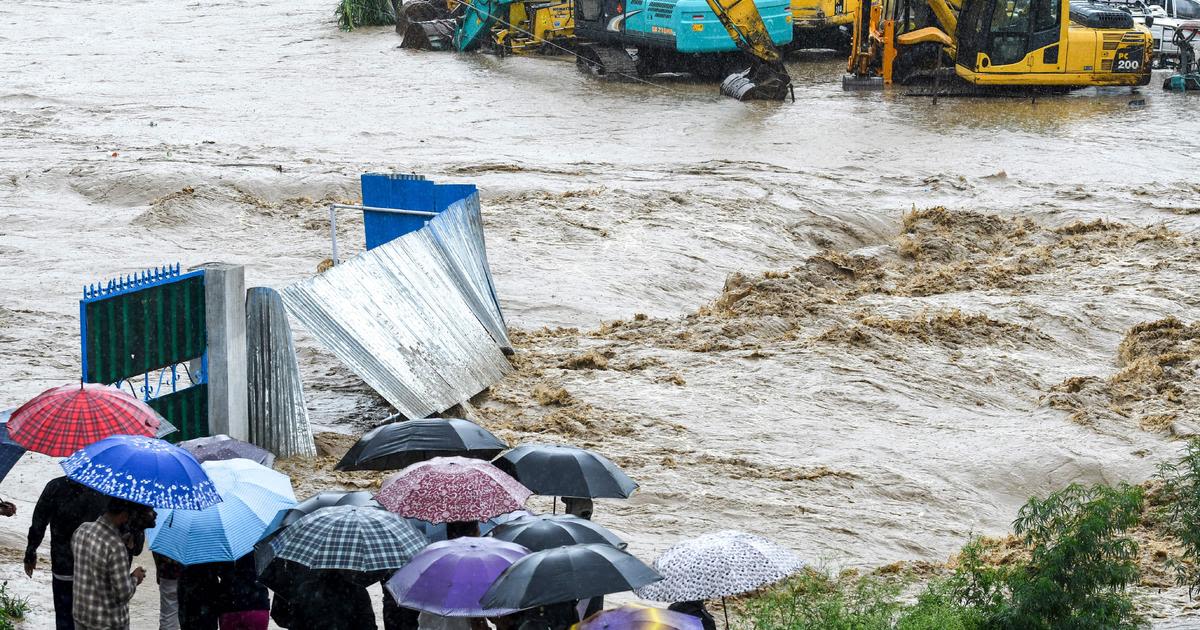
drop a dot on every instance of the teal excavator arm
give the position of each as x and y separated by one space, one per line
477 21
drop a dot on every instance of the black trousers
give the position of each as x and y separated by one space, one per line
63 591
396 617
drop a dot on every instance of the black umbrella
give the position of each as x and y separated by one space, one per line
566 471
544 531
400 444
567 574
264 555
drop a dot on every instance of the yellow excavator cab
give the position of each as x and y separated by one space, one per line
1052 43
532 25
1036 44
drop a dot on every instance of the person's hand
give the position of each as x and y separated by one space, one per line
139 574
30 565
8 508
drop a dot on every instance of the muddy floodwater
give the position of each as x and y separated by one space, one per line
724 297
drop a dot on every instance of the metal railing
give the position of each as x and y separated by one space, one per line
334 207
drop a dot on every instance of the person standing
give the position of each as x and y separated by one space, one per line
103 582
201 596
64 505
167 572
247 602
330 600
697 610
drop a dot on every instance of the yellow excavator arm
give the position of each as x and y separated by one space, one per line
746 27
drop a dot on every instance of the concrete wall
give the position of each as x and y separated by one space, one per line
225 318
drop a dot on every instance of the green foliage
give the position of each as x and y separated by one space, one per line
814 600
1181 512
12 608
352 14
1079 568
1080 564
938 608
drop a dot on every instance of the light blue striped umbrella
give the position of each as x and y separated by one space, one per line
251 496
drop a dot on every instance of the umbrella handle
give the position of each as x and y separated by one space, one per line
725 607
553 505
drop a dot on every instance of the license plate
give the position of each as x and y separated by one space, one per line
1129 59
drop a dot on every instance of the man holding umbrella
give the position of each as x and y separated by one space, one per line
63 506
103 583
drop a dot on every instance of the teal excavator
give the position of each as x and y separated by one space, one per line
737 40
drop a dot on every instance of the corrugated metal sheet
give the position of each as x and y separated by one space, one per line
408 316
278 417
459 232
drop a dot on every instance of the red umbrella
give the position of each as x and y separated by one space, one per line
446 489
62 420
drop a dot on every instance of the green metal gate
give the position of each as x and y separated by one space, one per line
146 333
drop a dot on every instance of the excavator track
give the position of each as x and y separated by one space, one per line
606 62
426 27
431 35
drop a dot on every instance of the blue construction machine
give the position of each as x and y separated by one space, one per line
624 40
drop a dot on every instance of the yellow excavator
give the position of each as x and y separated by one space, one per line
822 24
985 46
522 27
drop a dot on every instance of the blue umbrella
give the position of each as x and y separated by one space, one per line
10 451
251 496
143 470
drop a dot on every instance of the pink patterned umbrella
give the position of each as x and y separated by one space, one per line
446 489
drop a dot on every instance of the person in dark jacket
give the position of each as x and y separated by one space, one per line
549 617
201 596
64 505
695 609
330 600
247 602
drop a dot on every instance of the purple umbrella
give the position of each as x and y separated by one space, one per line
630 617
221 447
449 578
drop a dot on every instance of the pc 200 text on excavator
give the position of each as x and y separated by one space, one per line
998 45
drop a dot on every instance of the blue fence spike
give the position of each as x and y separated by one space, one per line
141 278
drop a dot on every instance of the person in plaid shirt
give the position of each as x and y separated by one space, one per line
103 583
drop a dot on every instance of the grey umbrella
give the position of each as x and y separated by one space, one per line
398 445
350 538
221 446
546 531
264 553
566 471
567 574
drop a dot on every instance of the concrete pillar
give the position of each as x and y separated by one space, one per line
225 319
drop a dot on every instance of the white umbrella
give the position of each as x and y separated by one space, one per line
718 565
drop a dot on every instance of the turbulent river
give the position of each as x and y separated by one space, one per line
866 389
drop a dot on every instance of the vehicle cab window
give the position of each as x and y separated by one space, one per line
1046 15
1010 31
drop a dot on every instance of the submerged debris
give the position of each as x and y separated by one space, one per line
1154 387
